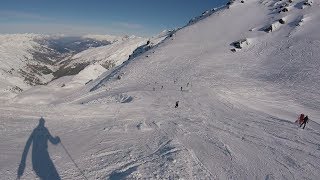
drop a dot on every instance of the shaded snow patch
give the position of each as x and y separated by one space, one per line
118 98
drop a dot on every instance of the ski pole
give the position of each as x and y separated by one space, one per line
73 160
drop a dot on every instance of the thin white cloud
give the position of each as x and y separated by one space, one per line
129 25
7 15
56 28
34 23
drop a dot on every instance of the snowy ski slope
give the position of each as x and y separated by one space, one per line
245 79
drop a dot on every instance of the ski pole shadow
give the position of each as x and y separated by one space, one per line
41 161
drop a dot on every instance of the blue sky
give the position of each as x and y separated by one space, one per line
75 17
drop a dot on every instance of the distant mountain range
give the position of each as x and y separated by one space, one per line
32 59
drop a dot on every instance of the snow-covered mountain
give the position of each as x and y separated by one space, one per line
16 57
241 75
32 59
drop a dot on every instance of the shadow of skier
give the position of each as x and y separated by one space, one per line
41 162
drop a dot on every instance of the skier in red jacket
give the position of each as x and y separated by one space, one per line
301 119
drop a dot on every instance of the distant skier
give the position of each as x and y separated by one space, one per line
181 88
161 87
187 84
305 121
300 119
177 104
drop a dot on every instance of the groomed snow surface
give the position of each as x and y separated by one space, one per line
236 111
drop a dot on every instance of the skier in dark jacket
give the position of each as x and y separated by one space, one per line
177 104
305 121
